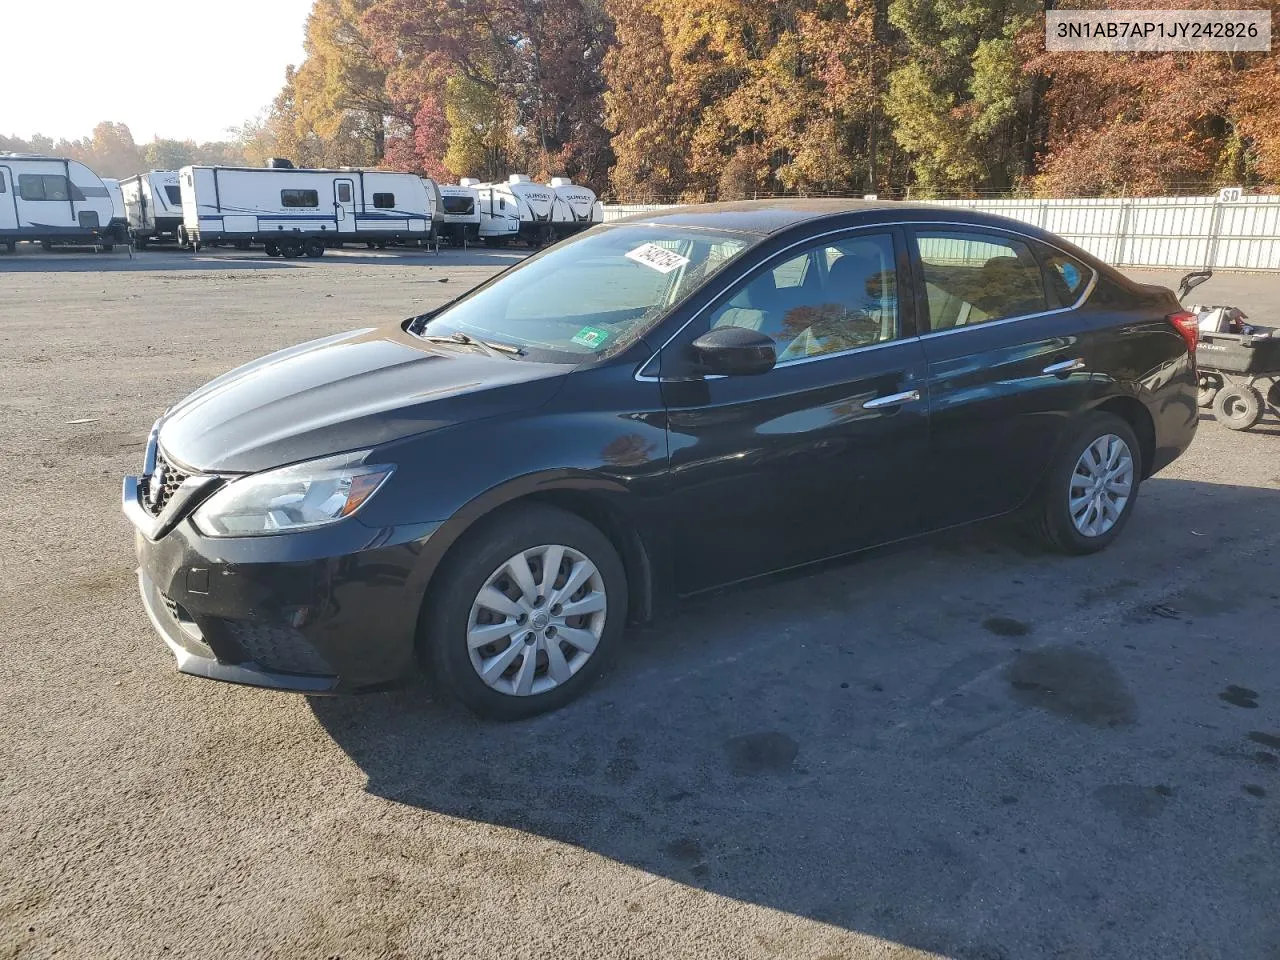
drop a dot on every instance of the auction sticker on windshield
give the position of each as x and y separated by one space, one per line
656 258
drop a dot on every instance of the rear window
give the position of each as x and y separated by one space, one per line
299 198
458 205
173 193
384 201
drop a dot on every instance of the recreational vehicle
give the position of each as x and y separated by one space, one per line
518 199
576 207
52 200
153 206
292 212
119 225
460 213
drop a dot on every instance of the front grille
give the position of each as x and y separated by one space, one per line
170 477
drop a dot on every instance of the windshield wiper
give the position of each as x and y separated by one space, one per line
493 349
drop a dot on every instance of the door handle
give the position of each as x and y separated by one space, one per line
892 400
1065 366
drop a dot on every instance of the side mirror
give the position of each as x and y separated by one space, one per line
735 352
1193 280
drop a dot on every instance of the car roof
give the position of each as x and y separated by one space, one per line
765 217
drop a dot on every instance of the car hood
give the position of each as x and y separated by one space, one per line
353 390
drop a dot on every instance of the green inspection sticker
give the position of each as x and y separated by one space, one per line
590 337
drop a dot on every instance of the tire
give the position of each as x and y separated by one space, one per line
313 247
1208 389
452 610
1053 521
291 248
1238 408
271 249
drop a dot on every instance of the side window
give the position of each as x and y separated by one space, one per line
1065 276
299 198
43 186
831 298
174 194
384 201
344 192
971 278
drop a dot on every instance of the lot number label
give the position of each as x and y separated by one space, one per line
656 258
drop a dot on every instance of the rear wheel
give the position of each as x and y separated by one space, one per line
272 250
313 247
1090 489
527 613
291 248
1238 408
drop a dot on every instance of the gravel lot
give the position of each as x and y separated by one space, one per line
962 747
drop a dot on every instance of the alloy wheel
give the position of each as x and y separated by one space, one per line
537 620
1101 485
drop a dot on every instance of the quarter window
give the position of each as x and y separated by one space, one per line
1066 276
45 186
299 198
971 278
830 298
384 201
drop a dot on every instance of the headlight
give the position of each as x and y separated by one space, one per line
300 497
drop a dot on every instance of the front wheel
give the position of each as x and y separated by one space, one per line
527 613
1209 386
1238 408
1090 489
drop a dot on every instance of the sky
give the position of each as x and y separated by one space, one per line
179 69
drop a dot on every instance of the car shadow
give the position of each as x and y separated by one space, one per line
849 748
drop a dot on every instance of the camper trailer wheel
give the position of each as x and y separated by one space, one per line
291 248
271 249
1238 408
314 247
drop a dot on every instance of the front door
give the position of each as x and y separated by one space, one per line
8 201
826 452
344 205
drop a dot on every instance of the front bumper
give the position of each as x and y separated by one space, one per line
319 611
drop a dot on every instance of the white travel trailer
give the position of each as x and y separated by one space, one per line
53 200
119 225
517 200
576 207
292 212
153 206
460 213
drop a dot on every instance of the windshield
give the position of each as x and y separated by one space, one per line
592 295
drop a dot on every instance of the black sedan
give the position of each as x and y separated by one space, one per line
656 407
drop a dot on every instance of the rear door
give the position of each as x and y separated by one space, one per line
827 451
344 205
8 201
1009 363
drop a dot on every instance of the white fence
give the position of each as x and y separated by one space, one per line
1173 232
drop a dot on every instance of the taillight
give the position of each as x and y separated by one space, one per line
1185 323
